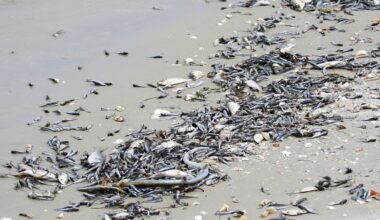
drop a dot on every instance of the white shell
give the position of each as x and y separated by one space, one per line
119 108
196 74
233 107
253 85
190 97
258 138
63 178
189 61
95 158
299 3
266 136
158 113
361 54
198 217
262 3
287 48
118 141
172 82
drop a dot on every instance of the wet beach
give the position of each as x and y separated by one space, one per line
34 49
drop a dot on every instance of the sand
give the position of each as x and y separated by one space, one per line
90 27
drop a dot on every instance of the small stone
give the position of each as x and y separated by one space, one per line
264 214
285 153
224 208
307 145
198 217
258 138
271 210
118 141
60 216
119 108
118 118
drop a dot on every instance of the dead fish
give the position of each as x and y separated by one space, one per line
73 113
99 83
167 145
370 139
138 86
57 112
49 104
172 82
306 209
58 33
308 189
66 102
25 215
176 174
123 53
95 158
46 195
156 57
299 201
78 138
294 212
331 64
38 174
236 212
342 202
156 8
55 80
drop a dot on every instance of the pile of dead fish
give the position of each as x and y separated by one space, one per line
324 6
156 163
153 163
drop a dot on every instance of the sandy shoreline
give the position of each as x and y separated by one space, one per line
116 27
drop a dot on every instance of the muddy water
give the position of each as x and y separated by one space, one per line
93 26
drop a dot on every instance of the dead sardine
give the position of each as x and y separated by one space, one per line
66 102
294 212
342 202
175 174
49 104
99 83
54 80
38 174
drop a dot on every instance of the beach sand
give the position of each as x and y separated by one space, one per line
29 53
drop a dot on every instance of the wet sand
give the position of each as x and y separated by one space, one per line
90 27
